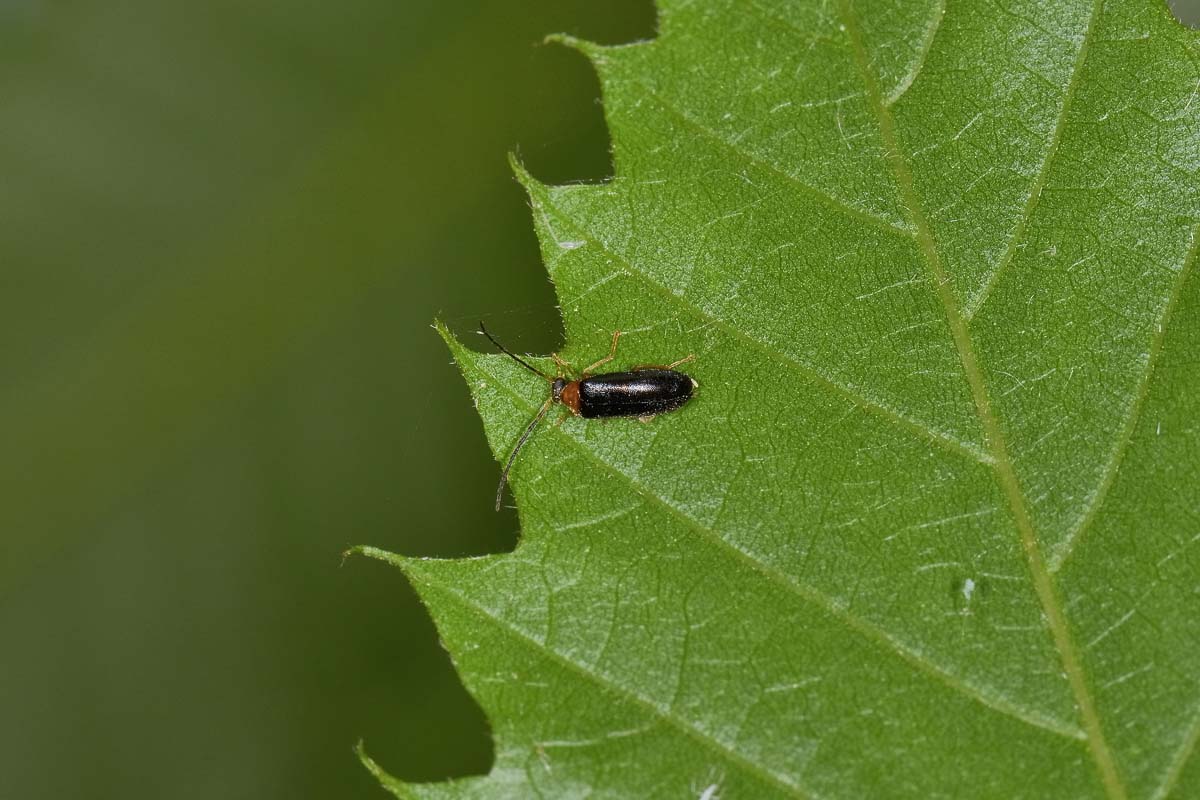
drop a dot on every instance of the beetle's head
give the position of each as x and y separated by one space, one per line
556 388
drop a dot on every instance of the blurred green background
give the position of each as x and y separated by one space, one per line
226 228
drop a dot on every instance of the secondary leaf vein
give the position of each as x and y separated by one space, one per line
973 304
1187 749
750 158
873 633
656 710
931 29
1059 558
876 407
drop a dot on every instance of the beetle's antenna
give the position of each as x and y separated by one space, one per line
520 443
514 357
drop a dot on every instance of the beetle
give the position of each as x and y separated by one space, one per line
643 392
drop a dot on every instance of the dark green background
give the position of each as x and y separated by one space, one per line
226 227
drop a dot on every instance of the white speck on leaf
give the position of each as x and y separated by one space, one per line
968 589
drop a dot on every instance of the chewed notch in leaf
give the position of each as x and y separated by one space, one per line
931 529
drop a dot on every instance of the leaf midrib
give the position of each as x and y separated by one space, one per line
993 433
958 316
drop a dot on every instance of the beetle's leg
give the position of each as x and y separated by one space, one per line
684 360
611 354
563 366
640 367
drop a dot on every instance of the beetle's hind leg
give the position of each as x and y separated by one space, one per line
611 355
672 365
683 360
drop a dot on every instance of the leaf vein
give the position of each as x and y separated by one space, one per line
1187 748
1005 472
1059 558
750 158
930 33
973 305
648 705
876 407
837 610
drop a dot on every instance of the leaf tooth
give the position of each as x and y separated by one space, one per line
591 49
525 177
388 781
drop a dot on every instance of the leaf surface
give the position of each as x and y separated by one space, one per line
931 525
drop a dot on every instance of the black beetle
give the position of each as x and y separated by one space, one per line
641 392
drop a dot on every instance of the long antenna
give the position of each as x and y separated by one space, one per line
515 358
520 442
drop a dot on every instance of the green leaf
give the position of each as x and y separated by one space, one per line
931 525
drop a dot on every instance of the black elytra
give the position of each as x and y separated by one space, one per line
641 392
